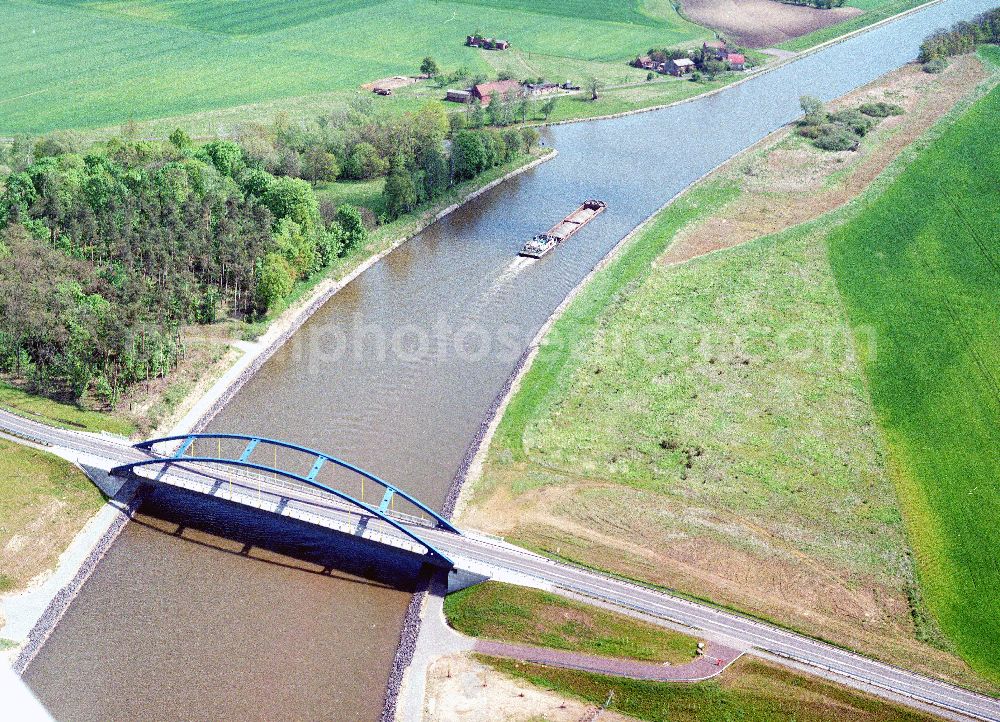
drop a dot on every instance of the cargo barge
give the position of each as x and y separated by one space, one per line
545 242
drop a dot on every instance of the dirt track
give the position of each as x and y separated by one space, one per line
762 23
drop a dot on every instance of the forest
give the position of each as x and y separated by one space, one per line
108 249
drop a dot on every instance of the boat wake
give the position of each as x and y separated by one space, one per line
515 267
492 295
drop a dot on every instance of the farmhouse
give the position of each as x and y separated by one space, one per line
645 62
478 41
680 66
484 92
737 61
716 48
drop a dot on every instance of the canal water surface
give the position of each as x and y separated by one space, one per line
200 611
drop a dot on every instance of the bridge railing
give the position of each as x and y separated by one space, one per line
300 470
255 481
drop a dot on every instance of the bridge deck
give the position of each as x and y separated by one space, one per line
287 499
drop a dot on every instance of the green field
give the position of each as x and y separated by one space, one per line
510 613
920 268
87 64
749 691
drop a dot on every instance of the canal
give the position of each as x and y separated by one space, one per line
200 611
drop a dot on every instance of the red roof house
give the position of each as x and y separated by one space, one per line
737 61
484 92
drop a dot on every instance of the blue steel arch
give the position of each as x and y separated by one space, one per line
320 459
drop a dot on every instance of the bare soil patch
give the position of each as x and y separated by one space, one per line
792 182
396 81
460 689
762 23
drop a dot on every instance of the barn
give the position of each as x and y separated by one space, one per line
680 66
484 92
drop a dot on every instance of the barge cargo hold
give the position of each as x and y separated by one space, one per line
545 242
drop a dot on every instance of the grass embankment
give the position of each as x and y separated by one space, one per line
509 613
63 415
874 11
181 57
44 501
577 324
706 426
920 268
748 691
732 457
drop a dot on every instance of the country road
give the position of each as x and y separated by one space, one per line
472 551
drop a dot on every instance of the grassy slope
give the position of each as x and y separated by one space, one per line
921 269
153 59
689 449
511 613
576 324
970 442
43 502
66 416
750 691
743 401
874 11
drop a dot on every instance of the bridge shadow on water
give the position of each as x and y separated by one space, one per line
272 539
204 609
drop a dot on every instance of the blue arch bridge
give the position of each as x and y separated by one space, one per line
293 481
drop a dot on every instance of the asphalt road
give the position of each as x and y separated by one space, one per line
483 552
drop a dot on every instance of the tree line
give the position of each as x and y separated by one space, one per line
107 250
962 37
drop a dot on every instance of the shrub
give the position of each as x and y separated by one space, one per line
833 136
352 224
529 137
854 121
936 65
400 192
880 109
808 130
812 109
